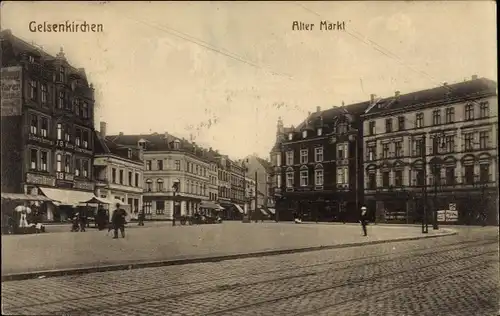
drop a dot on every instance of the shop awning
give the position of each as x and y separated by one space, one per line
24 197
67 197
209 205
239 209
272 210
97 200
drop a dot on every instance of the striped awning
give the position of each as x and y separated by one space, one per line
67 197
209 205
25 197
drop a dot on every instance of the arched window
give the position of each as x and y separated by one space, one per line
160 184
149 185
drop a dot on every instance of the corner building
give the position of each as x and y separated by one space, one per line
436 147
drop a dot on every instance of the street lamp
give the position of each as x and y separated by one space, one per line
358 169
175 190
436 169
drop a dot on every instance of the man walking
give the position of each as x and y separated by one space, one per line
118 220
364 219
140 217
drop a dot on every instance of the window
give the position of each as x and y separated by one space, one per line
420 177
160 185
148 165
78 136
483 140
385 179
469 112
160 207
342 128
484 110
196 169
303 156
289 179
484 173
304 178
147 207
136 183
342 151
33 92
449 143
33 159
398 178
113 175
44 157
318 177
436 117
436 174
44 127
401 123
419 147
149 185
159 164
371 128
176 145
62 72
388 125
67 163
289 158
31 59
398 149
319 131
78 166
121 176
450 175
419 120
372 152
304 134
85 110
385 150
59 131
342 175
469 141
290 136
469 174
43 88
85 139
177 165
278 180
438 144
85 168
372 181
33 124
60 99
58 162
449 115
278 159
76 104
67 133
130 183
318 154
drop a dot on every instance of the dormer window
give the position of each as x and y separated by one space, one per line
129 153
177 144
142 145
304 134
319 131
62 73
31 58
290 136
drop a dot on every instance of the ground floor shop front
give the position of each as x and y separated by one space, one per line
162 207
469 207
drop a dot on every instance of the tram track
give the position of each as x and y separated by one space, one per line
412 253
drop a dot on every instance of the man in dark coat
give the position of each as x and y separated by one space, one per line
118 220
364 220
141 216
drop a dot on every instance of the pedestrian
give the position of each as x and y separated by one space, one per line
83 220
364 220
74 222
118 220
140 217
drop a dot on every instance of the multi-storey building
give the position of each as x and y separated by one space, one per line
118 171
238 172
231 210
168 160
436 146
213 176
262 168
317 165
47 126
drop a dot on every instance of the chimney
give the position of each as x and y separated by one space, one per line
445 83
318 109
343 104
102 129
474 77
397 94
372 97
121 134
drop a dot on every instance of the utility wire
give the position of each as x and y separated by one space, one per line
207 45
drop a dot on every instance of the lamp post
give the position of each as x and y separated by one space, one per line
246 217
355 139
425 227
175 189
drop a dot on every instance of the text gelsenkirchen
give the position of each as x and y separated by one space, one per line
66 27
323 26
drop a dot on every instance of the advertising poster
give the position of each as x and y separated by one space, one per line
11 80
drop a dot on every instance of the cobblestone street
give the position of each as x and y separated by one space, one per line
453 275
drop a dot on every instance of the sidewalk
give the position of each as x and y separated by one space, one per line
49 254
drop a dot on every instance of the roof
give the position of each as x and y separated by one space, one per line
461 90
266 164
354 109
105 146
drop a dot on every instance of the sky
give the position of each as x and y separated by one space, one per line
224 72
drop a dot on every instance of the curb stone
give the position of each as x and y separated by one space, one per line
173 262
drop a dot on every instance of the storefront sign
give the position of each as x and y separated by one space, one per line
11 81
100 161
83 150
40 179
40 139
447 216
84 185
64 176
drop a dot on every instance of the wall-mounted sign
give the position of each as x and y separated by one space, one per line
83 185
40 139
83 150
64 176
11 81
40 179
